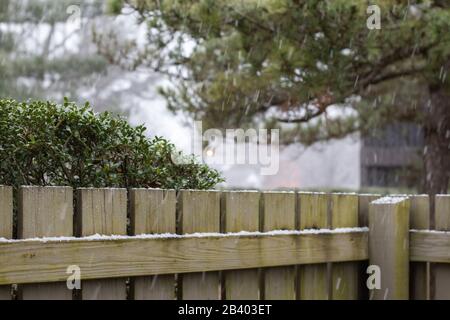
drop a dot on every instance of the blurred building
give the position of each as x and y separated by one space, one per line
391 157
387 158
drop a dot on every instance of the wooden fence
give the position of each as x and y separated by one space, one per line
163 244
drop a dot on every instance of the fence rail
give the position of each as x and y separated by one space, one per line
47 261
430 246
166 244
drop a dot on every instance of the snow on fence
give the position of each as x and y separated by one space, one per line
163 244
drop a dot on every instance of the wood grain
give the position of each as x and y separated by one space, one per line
241 210
6 227
6 212
442 271
45 212
389 248
279 214
363 208
313 281
102 211
363 221
420 218
426 246
37 261
200 212
344 276
153 211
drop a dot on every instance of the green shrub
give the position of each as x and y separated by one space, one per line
42 143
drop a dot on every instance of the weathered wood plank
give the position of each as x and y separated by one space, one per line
279 214
420 218
102 211
153 211
200 212
363 208
6 227
37 261
345 275
363 221
45 212
6 212
313 280
389 247
442 272
430 246
241 211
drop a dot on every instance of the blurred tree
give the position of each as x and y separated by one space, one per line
315 65
40 53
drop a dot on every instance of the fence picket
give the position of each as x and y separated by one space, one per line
344 275
200 212
313 279
363 208
45 212
241 210
153 211
420 271
363 221
326 265
279 214
102 211
6 227
442 271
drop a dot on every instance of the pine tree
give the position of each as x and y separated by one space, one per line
36 57
308 62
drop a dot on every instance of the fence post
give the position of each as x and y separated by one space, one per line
389 246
